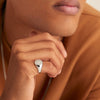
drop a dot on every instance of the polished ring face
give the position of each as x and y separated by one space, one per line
39 64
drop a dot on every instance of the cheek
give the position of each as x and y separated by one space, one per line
42 17
24 8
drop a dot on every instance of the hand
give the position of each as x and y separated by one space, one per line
20 83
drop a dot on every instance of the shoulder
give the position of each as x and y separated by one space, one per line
83 49
90 11
84 44
90 20
86 39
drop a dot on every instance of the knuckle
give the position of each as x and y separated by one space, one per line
54 72
16 42
50 50
20 56
47 35
52 45
59 42
16 47
52 69
62 58
59 67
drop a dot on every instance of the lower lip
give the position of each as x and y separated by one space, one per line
69 10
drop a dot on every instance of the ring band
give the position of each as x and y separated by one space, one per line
39 64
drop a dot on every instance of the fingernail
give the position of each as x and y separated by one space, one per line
59 72
55 76
65 54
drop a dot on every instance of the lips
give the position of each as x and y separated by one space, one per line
70 7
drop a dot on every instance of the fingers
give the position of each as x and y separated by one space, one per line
40 45
41 37
50 69
43 54
47 68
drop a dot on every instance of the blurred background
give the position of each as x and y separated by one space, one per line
94 3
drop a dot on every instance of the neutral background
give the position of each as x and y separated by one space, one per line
94 3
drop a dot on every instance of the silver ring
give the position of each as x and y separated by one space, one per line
39 64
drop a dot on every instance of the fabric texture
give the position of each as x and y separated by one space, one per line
80 77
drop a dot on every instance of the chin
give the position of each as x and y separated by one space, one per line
60 26
64 32
58 30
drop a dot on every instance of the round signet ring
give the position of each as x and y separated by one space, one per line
39 64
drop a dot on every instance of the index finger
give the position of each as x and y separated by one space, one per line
45 36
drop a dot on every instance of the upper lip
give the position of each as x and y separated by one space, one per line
71 3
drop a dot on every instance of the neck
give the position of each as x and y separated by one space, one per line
14 28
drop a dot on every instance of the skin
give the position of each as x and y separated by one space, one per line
23 17
20 23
